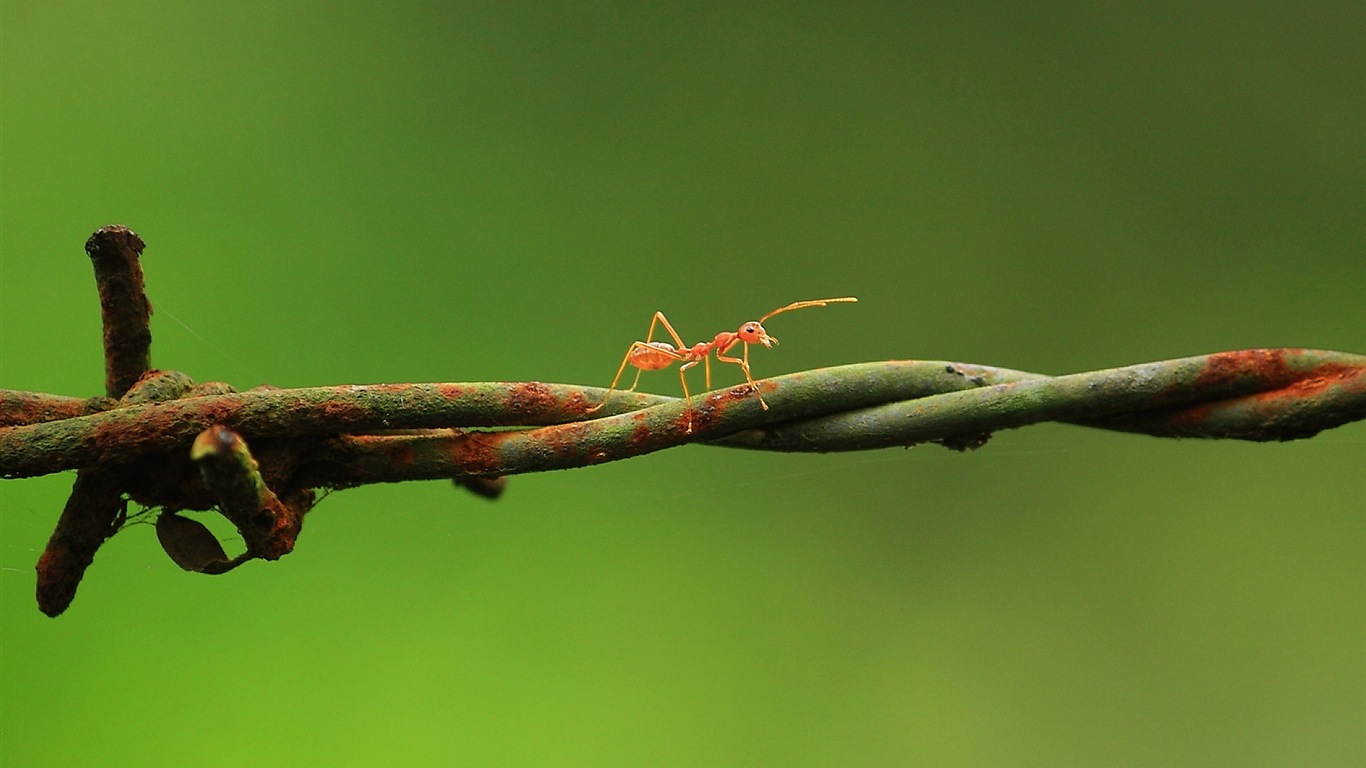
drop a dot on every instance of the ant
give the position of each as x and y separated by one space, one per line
656 355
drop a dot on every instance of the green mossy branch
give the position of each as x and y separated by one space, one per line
1254 394
1261 395
165 442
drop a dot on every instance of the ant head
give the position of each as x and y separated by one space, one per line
753 333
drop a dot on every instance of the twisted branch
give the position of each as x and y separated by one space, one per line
171 444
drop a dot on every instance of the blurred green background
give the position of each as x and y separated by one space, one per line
350 193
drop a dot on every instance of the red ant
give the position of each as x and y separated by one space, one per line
656 355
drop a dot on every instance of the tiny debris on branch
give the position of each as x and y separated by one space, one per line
192 545
164 442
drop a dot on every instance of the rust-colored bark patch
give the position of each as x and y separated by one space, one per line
1190 420
18 408
640 435
1324 378
577 405
567 439
342 411
707 412
531 399
477 452
1267 365
452 391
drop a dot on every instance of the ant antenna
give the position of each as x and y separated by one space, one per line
804 304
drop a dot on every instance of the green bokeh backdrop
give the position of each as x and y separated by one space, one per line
470 191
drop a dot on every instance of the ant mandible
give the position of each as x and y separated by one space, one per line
656 355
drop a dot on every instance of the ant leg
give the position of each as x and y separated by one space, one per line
624 361
661 319
658 319
687 397
743 362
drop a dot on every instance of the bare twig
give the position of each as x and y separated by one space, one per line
268 524
94 512
127 313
